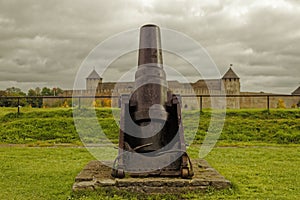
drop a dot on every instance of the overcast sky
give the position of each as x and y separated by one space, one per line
43 43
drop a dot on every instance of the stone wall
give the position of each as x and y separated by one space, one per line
249 102
261 102
193 103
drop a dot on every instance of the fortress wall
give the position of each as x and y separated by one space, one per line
233 102
290 101
231 86
253 102
261 102
190 103
239 102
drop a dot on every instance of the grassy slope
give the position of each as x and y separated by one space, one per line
57 126
278 126
48 173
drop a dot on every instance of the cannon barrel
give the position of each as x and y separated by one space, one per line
150 77
150 94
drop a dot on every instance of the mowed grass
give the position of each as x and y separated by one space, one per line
257 172
39 173
48 173
266 169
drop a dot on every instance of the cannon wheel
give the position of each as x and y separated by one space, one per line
118 173
184 173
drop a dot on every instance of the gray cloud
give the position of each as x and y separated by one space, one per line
45 42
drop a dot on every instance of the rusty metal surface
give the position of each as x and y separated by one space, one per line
151 138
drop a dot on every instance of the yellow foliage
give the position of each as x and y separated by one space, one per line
95 104
106 102
102 103
281 104
66 105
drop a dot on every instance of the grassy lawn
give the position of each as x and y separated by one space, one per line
39 173
258 151
258 172
48 173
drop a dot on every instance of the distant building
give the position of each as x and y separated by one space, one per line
229 84
297 91
93 80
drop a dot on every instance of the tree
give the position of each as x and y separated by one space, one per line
37 91
46 92
10 101
57 91
31 93
2 93
34 102
51 92
2 100
13 91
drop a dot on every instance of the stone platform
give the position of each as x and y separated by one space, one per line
95 175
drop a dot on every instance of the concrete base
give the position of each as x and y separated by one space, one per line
96 175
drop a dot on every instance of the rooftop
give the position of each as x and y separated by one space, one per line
230 74
297 91
94 75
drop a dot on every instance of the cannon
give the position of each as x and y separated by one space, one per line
151 139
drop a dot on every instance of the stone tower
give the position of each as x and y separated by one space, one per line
297 91
93 81
231 83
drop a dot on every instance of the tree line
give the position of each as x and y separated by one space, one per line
31 93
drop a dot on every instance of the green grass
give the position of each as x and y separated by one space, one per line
48 173
39 173
258 172
268 168
50 126
57 126
275 126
